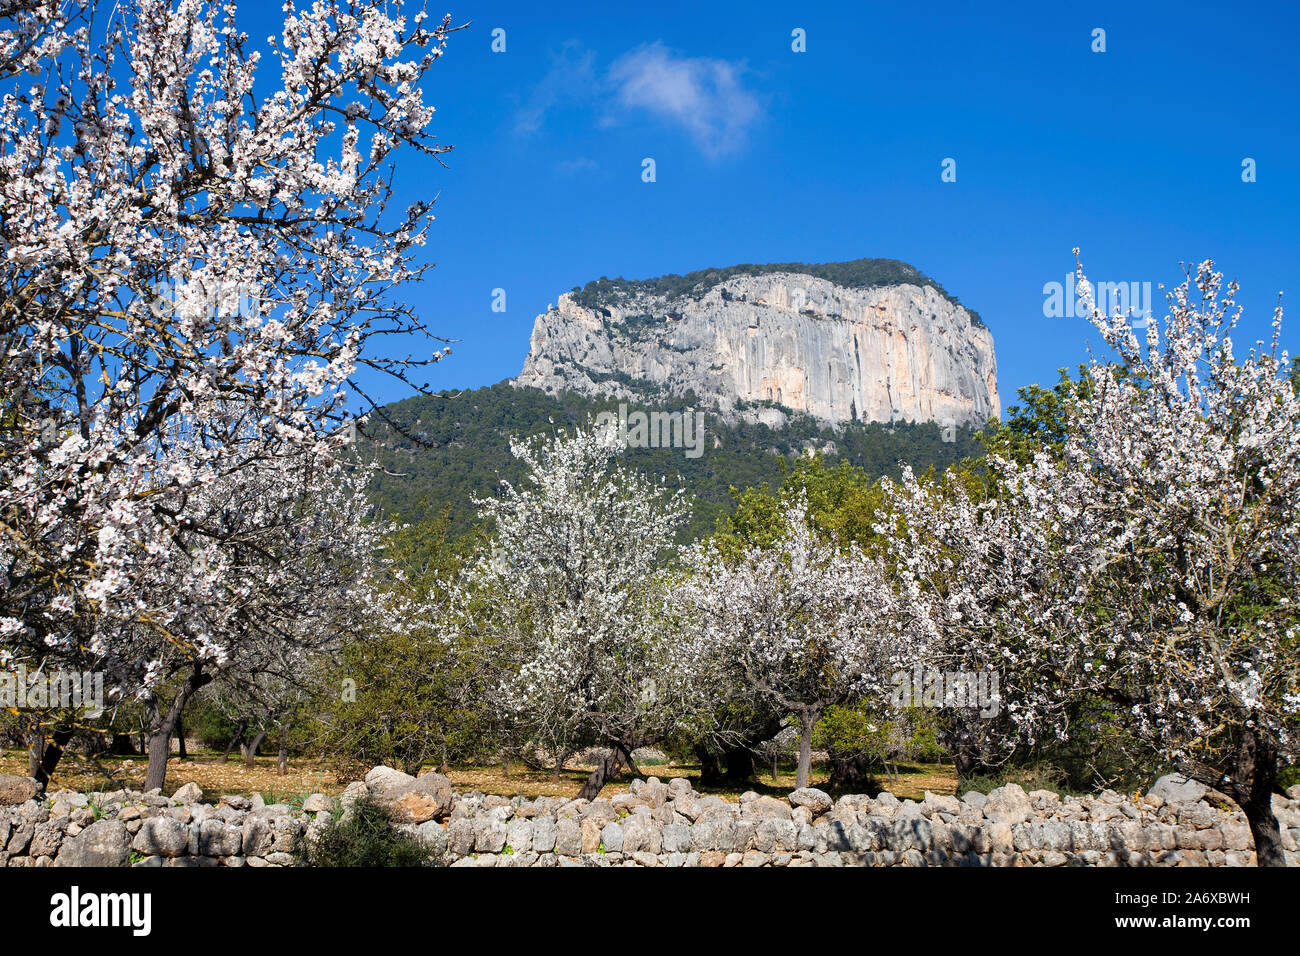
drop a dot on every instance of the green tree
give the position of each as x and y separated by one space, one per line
408 697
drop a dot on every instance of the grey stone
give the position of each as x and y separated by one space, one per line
640 834
16 790
1008 804
543 835
490 836
257 836
46 838
162 836
1176 788
316 803
103 843
519 836
218 838
773 835
676 838
817 801
611 836
938 803
189 793
1198 814
287 832
461 836
385 780
568 837
763 808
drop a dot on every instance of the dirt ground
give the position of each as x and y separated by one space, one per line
306 776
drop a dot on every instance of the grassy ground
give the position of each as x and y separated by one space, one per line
913 780
77 772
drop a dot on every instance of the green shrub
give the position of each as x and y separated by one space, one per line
365 837
1040 777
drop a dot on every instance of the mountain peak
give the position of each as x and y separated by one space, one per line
864 273
865 340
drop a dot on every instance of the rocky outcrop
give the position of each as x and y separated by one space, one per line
661 823
900 352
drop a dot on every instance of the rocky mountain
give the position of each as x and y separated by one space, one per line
868 340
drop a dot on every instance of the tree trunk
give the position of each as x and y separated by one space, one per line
710 766
1253 781
237 739
158 741
35 750
250 754
282 765
1264 828
740 764
607 769
41 767
807 720
159 748
122 745
180 738
969 758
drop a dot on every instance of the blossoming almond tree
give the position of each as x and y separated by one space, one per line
1193 456
196 255
278 567
1153 565
569 592
988 582
799 624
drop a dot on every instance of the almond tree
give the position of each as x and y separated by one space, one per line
277 570
197 256
1194 461
988 581
569 593
799 624
1160 551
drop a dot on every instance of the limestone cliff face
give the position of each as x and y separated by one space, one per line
902 352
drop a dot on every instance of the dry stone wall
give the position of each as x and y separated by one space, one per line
657 823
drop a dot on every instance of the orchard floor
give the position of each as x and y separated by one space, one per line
307 775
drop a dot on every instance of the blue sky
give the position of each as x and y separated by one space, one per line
767 155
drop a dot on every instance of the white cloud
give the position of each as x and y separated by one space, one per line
570 78
705 97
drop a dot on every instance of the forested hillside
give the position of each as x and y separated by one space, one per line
441 451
